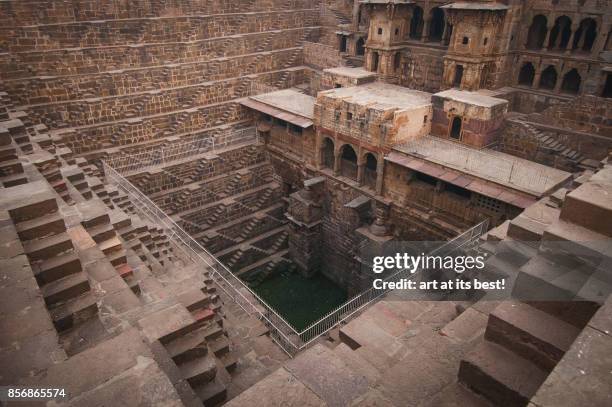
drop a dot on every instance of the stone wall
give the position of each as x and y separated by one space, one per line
321 56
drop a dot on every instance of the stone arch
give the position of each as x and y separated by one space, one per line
360 46
348 161
370 170
416 23
560 33
537 32
571 82
455 128
327 153
527 74
585 35
436 25
548 80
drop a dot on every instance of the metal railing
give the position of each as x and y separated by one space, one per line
175 151
281 331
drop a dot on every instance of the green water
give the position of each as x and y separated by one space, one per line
300 300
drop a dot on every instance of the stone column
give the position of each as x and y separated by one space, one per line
444 33
559 82
360 173
380 165
570 43
600 41
546 39
537 77
356 8
425 36
337 162
379 226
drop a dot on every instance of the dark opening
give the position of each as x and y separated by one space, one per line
549 78
370 170
456 128
296 130
465 40
380 31
436 27
571 82
458 75
342 43
327 155
462 192
537 32
560 33
375 61
360 48
527 74
416 23
428 179
337 86
397 59
348 162
607 90
586 35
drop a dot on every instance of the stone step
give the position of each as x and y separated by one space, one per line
56 268
500 375
590 206
117 258
43 249
199 371
572 240
111 245
65 288
556 287
229 361
194 299
51 224
74 312
102 232
531 333
219 346
188 347
213 393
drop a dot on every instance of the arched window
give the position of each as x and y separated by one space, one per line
327 154
571 82
436 26
537 32
527 74
548 80
416 23
455 130
360 47
348 162
560 33
586 35
458 76
370 171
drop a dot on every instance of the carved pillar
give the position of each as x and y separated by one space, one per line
379 226
537 77
444 34
559 82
